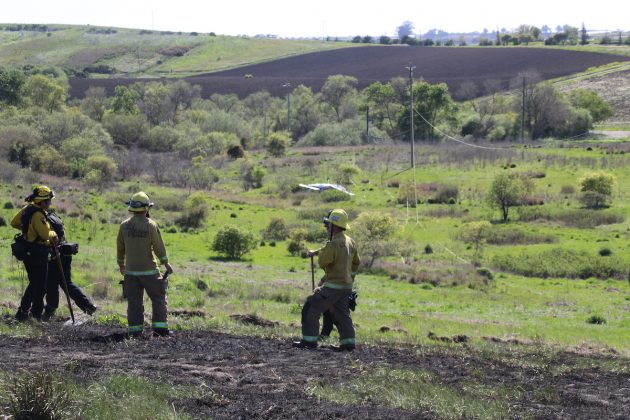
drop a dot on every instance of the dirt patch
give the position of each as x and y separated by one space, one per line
252 377
253 320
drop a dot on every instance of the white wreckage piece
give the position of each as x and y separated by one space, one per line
323 187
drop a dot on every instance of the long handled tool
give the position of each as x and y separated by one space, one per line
312 274
64 283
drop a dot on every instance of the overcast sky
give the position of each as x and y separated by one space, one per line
296 18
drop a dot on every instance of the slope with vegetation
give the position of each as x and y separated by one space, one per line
494 275
98 51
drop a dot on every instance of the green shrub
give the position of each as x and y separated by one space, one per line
605 252
485 272
596 320
333 196
276 230
596 189
8 205
233 242
446 194
195 212
296 241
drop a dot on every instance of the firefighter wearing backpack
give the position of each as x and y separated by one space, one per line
340 259
140 250
33 222
55 278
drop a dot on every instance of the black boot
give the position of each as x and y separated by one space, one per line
343 347
21 315
162 332
305 344
48 314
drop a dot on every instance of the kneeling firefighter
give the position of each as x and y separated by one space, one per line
139 238
39 237
340 260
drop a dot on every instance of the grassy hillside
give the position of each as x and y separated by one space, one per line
144 52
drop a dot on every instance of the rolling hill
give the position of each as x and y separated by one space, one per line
453 66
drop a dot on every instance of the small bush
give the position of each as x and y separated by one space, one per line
235 152
446 194
39 396
8 205
192 218
596 320
485 272
605 252
233 242
276 230
567 189
333 196
428 249
2 222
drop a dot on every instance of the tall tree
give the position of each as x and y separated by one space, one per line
405 30
11 83
45 92
336 90
432 104
583 35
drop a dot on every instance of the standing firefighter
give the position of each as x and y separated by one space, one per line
340 259
32 220
138 240
56 278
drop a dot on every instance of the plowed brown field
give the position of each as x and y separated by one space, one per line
453 66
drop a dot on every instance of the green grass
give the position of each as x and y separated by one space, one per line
273 285
129 51
413 390
110 397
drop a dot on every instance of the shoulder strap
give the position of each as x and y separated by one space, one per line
27 216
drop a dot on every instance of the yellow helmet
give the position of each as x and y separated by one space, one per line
40 193
338 217
139 202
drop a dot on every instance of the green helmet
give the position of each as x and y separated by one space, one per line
139 202
338 217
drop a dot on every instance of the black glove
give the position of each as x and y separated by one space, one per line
352 301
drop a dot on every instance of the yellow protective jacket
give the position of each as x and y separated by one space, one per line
139 238
340 260
39 230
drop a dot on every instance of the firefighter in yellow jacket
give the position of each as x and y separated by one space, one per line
140 250
340 260
33 222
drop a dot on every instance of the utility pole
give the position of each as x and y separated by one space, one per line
367 124
523 113
413 147
288 86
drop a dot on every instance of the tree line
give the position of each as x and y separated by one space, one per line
180 137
